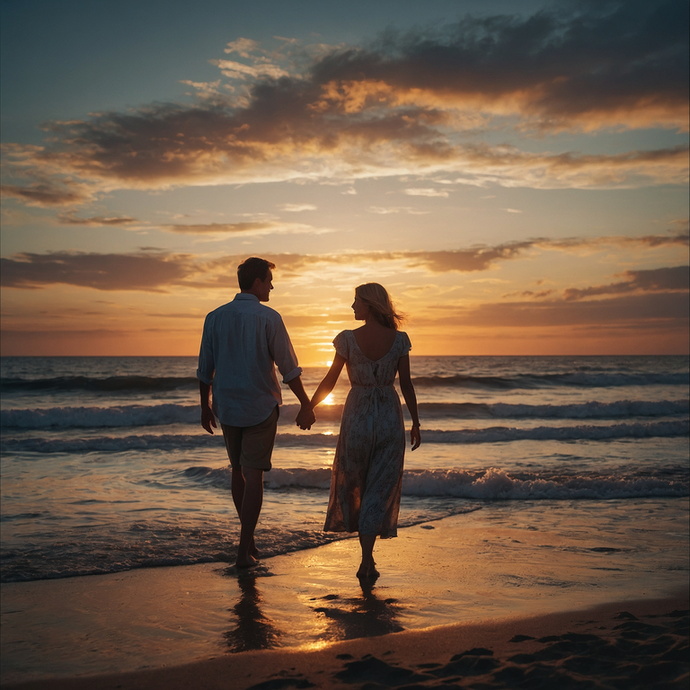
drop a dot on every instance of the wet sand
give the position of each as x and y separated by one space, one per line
604 647
461 602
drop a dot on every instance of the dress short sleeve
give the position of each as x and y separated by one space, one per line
340 343
405 345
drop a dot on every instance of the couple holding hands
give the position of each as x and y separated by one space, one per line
242 343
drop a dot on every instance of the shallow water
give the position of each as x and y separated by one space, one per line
104 466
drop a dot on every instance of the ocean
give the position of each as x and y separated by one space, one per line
105 467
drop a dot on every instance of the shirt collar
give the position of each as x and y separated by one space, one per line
246 296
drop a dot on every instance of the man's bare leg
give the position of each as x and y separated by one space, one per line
237 483
252 500
368 567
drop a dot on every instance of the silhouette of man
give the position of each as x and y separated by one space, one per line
242 342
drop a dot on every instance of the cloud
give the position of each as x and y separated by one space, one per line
462 260
680 238
39 194
249 228
621 64
71 219
481 257
277 139
386 210
219 228
530 293
404 104
510 167
238 70
466 260
297 208
144 272
426 192
243 46
154 270
656 280
204 89
650 308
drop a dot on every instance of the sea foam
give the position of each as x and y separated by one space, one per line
491 484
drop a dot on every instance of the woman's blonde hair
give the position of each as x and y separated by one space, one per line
380 304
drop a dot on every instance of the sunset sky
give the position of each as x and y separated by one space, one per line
514 172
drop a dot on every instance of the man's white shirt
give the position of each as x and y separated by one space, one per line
242 343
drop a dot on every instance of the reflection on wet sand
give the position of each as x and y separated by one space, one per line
335 617
365 616
252 630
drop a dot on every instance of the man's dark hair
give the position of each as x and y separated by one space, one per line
251 269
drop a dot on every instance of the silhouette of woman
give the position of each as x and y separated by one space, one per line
368 466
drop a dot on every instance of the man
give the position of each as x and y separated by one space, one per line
241 344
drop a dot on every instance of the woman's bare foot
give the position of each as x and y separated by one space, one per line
367 571
248 562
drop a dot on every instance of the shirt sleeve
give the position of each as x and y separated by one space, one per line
340 344
207 364
406 345
282 351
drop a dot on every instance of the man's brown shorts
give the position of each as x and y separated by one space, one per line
251 446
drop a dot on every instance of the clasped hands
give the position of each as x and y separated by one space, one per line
305 418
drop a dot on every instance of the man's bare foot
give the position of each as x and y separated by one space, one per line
248 562
253 551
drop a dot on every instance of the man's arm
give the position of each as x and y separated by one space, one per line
305 417
286 360
208 419
205 374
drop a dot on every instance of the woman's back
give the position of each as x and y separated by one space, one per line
374 340
365 371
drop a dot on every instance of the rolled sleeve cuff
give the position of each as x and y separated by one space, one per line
203 378
292 375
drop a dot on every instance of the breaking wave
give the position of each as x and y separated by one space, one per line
490 484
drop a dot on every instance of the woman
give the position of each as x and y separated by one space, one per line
368 465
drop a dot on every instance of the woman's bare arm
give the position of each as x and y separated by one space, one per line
329 381
407 390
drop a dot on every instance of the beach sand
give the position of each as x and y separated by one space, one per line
473 600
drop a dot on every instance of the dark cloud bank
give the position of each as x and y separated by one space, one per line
156 271
602 64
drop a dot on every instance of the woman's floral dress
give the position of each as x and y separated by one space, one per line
368 465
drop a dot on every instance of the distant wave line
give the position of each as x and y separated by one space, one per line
160 415
138 383
105 384
172 442
530 381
